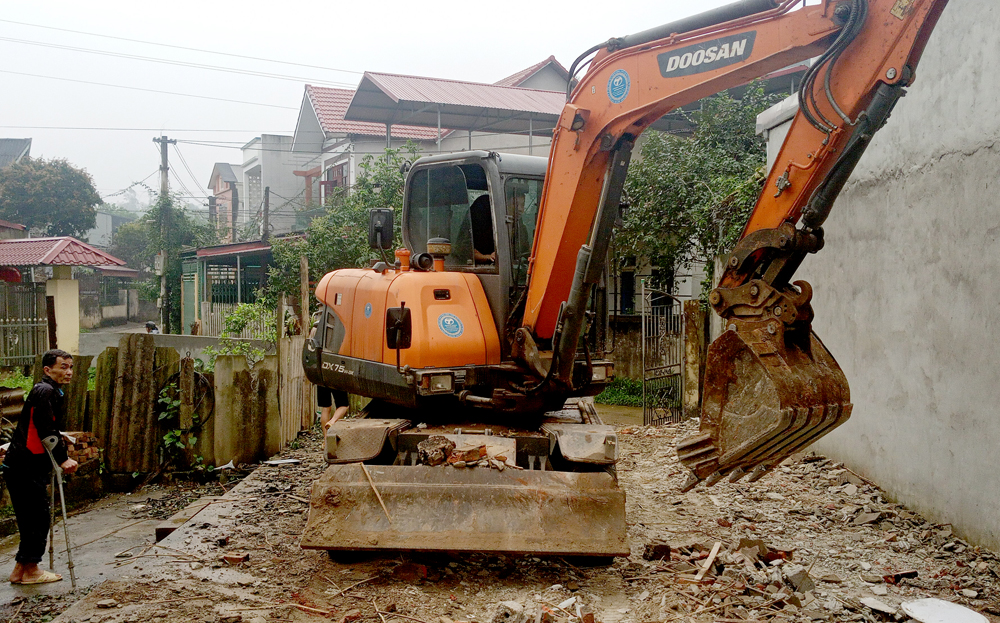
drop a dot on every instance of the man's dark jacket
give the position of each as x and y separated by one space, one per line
38 420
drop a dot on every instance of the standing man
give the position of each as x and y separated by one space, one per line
27 468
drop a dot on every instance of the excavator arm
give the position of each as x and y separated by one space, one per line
771 387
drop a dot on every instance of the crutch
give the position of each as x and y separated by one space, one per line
51 442
52 523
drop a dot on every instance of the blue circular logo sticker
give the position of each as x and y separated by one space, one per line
368 310
450 325
618 86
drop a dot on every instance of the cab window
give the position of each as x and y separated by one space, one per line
453 202
522 195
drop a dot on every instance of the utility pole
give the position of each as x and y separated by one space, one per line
264 234
164 142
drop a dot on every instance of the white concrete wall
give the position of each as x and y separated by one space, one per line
66 292
906 291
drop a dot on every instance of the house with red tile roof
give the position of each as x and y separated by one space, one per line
60 255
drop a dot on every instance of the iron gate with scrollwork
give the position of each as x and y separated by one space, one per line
24 329
662 357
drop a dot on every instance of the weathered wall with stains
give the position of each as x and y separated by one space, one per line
907 295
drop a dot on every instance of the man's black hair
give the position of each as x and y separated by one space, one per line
51 356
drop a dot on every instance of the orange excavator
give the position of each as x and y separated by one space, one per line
479 344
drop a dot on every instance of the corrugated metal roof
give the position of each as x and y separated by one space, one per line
118 271
61 251
393 98
12 149
518 78
331 104
235 248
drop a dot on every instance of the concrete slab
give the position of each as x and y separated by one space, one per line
98 533
165 527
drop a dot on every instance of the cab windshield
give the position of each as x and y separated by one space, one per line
453 202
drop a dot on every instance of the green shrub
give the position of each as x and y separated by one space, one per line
622 391
14 379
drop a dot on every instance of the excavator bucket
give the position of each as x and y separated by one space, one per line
764 400
422 508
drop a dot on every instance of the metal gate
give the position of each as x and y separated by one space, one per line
24 329
662 357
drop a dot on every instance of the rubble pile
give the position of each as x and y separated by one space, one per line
439 450
811 541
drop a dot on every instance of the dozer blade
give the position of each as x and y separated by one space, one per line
764 400
470 509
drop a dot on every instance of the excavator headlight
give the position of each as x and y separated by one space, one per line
602 373
440 383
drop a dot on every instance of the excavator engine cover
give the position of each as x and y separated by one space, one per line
764 400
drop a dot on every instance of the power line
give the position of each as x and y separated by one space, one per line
121 86
164 61
180 182
194 178
181 47
141 182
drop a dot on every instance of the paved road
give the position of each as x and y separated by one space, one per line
98 533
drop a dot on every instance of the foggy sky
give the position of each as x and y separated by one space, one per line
475 41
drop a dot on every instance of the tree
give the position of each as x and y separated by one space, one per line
690 197
338 238
49 195
138 243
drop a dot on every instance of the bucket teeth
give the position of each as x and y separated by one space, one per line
714 478
691 482
758 473
737 474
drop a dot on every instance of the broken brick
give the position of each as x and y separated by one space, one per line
468 455
894 578
656 549
434 450
410 572
351 615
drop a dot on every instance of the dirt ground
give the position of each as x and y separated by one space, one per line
810 542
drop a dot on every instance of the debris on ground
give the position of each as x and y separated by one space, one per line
811 541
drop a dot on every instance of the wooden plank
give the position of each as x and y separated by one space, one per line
166 364
104 388
295 391
121 399
708 561
140 402
205 410
185 387
76 393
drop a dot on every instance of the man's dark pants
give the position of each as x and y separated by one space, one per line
28 495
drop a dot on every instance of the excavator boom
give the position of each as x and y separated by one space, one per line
771 387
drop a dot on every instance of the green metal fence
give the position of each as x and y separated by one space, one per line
23 325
